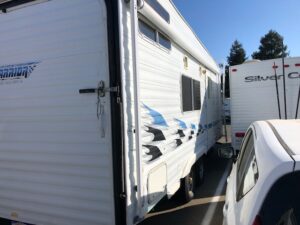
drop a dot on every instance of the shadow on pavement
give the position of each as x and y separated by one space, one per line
207 205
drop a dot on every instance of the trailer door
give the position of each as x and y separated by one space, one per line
55 124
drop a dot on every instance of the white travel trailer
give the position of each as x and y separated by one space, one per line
253 93
105 107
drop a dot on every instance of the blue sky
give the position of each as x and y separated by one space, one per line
219 22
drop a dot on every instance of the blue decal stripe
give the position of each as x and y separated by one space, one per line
209 125
157 117
181 124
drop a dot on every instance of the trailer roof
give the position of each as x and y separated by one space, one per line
291 61
180 32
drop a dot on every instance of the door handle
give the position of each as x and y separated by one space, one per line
87 91
101 89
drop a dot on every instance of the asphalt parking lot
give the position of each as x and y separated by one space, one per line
207 205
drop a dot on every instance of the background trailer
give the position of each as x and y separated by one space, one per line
253 93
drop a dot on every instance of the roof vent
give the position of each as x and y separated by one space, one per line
252 61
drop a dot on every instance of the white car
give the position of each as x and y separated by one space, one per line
264 184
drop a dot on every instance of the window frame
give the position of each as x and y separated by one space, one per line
157 32
159 35
195 107
241 175
192 94
244 142
148 26
209 87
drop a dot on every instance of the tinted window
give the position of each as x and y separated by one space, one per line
209 87
187 97
247 170
282 205
191 95
164 41
197 95
243 147
154 35
159 9
147 30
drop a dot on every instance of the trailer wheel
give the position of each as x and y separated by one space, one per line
200 171
188 186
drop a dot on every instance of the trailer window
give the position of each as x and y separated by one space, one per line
197 95
157 7
209 87
147 30
191 95
154 35
164 41
187 97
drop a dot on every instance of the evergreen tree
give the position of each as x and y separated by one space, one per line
236 56
271 47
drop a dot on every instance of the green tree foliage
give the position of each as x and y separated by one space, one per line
271 47
236 56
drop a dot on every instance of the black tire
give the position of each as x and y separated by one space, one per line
188 186
200 172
